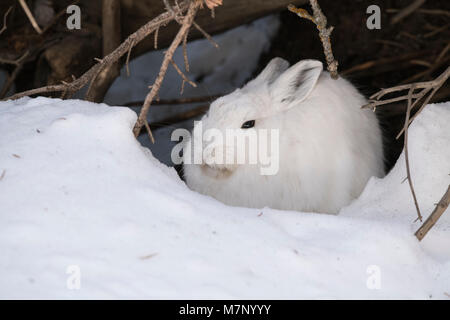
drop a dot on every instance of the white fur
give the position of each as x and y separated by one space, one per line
329 146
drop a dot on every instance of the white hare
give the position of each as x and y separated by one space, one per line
328 146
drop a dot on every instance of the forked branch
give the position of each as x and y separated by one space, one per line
173 13
69 88
427 87
186 24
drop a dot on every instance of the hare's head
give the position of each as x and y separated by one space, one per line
292 138
236 122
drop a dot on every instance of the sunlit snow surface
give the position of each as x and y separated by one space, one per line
78 190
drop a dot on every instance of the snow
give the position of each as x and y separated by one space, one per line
78 192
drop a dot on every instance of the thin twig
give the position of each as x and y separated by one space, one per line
319 19
425 11
436 31
443 53
156 38
180 21
403 13
30 16
440 208
435 12
111 38
182 86
128 59
149 131
19 63
391 43
186 60
426 73
206 35
91 82
16 62
426 88
136 37
176 101
394 60
200 29
187 22
182 75
436 83
419 62
5 18
408 170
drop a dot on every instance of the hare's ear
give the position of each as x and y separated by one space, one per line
271 72
296 83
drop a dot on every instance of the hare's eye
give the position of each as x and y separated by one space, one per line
248 124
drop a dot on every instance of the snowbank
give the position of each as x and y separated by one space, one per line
78 192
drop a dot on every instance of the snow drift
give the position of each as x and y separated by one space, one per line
77 189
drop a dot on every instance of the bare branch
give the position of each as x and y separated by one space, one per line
111 35
205 34
156 39
408 171
5 18
366 66
200 29
30 16
425 11
435 215
177 101
426 87
149 131
187 23
319 19
19 63
128 57
186 60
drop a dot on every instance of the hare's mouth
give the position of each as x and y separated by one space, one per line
216 172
